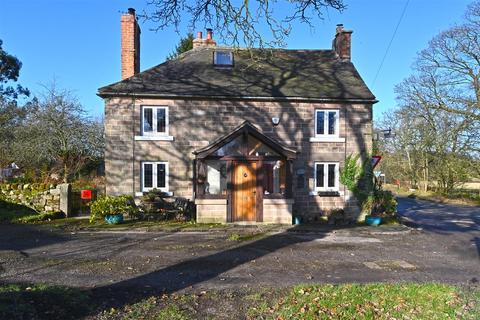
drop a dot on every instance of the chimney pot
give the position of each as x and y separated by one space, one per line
339 28
207 42
131 11
209 34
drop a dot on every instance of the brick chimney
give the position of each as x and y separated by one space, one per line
208 42
343 42
130 44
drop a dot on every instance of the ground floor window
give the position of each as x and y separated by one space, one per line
326 176
274 177
155 176
212 177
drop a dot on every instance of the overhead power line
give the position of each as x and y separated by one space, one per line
390 43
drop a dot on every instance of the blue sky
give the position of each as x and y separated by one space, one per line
77 43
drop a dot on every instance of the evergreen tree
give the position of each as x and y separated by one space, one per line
184 45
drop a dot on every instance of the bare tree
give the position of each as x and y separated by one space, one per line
437 121
431 147
240 22
59 132
450 67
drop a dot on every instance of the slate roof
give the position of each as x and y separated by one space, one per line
288 74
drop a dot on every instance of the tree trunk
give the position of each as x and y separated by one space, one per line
65 171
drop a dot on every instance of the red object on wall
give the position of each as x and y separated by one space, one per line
86 194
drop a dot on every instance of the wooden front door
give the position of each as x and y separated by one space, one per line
244 191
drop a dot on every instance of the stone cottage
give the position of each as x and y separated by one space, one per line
250 141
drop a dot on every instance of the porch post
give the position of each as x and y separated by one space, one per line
259 195
288 178
229 191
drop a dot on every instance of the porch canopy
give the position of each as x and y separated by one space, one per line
244 167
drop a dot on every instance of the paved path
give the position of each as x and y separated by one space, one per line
446 250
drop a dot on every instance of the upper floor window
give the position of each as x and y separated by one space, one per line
223 58
154 120
155 176
326 123
326 176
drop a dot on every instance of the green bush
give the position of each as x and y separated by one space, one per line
110 205
387 201
380 202
351 172
359 179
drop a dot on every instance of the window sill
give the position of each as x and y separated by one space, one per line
332 193
327 139
139 194
153 138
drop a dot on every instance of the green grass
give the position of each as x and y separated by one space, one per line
246 237
10 212
348 301
84 224
457 196
372 301
22 301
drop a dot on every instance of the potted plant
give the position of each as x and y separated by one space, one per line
380 203
373 220
112 208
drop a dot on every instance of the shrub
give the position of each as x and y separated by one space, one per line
350 173
158 205
110 205
380 202
337 216
359 179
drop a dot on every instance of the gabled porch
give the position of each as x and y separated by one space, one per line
244 177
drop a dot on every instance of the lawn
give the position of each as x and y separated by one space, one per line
10 212
14 213
349 301
458 196
74 224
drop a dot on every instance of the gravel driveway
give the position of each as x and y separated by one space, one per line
446 249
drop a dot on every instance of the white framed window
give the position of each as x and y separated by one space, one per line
327 123
223 58
155 176
326 176
154 121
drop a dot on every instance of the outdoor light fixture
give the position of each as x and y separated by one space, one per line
386 134
275 121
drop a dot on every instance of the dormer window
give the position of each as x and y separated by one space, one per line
223 58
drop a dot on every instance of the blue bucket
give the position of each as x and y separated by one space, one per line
114 218
373 221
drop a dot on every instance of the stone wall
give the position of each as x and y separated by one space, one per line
211 210
277 211
194 124
40 197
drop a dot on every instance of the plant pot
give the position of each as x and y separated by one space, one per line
373 221
114 218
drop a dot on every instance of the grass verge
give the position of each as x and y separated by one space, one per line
10 212
463 197
77 224
374 301
349 301
22 301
